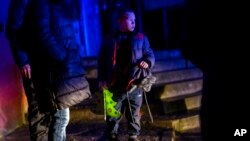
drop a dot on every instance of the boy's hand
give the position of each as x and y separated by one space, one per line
144 65
102 85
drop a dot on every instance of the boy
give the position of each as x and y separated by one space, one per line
123 55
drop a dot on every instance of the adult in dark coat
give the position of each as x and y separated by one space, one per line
47 35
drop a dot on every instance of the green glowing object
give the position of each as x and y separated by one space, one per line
109 105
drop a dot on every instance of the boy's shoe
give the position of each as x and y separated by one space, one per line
113 137
133 138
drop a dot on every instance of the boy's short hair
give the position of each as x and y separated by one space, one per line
121 13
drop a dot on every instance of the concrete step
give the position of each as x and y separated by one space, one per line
166 77
176 101
175 91
166 54
170 64
193 102
174 109
187 124
160 67
159 55
166 60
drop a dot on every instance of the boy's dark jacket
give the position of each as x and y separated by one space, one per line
140 51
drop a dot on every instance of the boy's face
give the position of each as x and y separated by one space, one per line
127 23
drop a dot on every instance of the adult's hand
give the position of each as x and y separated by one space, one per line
26 71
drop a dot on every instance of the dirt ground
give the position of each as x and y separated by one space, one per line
86 125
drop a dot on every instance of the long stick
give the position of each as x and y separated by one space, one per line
104 102
129 105
149 111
